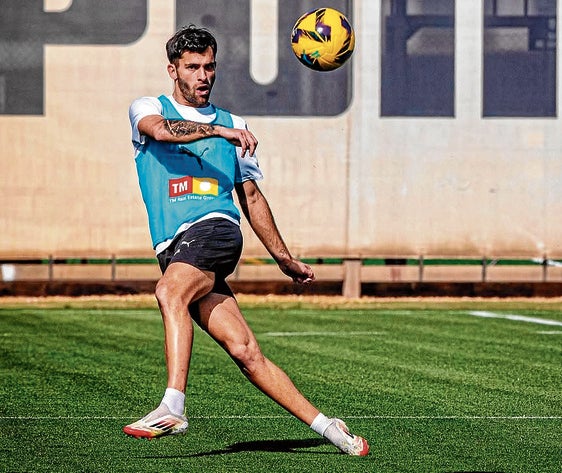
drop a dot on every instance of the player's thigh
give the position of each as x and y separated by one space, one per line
184 281
221 318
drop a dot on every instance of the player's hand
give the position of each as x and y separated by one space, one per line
298 271
245 139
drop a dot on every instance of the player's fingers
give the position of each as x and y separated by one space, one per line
302 280
309 272
249 144
253 144
244 144
304 274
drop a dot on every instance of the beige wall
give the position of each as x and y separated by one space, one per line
352 185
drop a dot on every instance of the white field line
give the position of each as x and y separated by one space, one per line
320 334
518 318
367 417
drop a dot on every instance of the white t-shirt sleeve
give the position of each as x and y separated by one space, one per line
249 166
140 108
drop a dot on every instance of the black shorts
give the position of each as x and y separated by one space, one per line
213 245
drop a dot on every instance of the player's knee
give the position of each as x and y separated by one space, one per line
248 357
162 292
168 297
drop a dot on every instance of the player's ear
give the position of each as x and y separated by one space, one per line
172 71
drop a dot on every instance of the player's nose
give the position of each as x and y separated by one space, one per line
202 75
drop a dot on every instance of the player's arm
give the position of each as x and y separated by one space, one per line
185 131
259 215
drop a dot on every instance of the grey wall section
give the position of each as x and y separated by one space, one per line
26 27
342 182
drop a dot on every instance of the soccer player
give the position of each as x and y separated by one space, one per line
190 157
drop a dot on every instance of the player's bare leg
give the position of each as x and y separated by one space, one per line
220 316
179 286
174 296
222 319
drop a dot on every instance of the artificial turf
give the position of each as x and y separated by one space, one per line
433 387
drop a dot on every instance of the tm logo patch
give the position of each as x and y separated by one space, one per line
193 185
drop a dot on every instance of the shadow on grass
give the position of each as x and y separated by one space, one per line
280 446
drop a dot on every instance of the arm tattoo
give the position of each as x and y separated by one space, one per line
179 128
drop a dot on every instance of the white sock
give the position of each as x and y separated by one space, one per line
175 400
320 424
336 436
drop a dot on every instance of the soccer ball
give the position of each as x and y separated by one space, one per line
323 39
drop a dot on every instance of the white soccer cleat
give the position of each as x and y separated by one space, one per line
156 424
346 441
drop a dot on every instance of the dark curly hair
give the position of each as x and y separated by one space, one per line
189 38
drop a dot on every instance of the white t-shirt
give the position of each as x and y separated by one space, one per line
144 106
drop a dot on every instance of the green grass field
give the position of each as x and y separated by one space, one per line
467 386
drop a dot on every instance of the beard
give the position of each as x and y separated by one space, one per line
193 94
